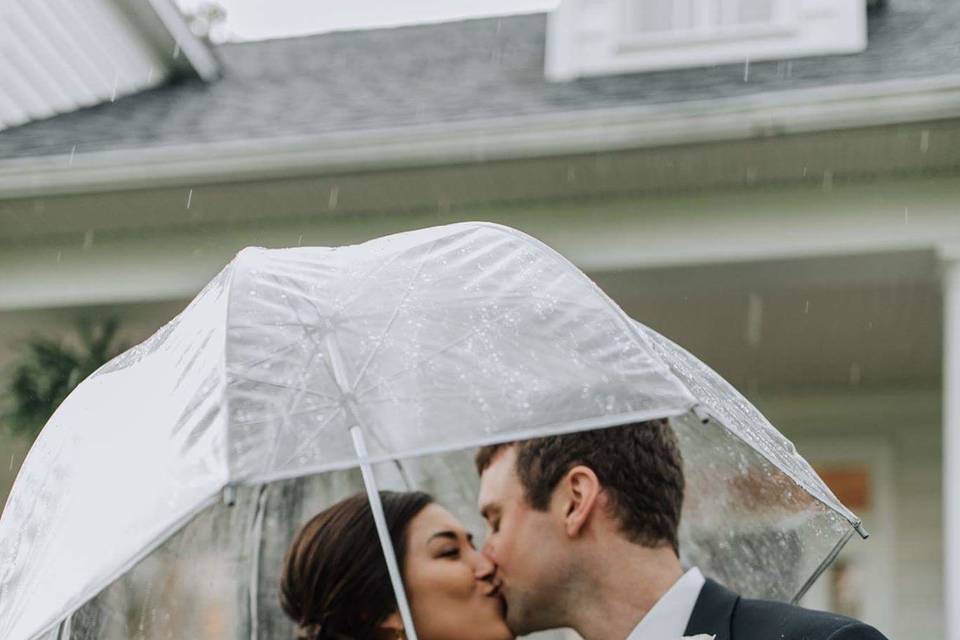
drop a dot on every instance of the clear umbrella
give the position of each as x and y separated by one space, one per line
295 369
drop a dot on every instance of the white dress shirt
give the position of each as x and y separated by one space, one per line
668 618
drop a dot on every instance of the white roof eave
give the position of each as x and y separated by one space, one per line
194 49
577 132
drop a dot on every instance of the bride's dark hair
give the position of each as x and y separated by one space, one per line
334 582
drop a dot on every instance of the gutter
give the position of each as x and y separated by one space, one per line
578 132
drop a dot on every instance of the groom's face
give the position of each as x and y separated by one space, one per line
525 544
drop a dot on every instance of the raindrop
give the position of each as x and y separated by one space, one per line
746 70
116 82
334 198
571 174
854 374
176 50
806 306
59 255
443 204
299 243
88 239
754 319
189 198
924 140
150 76
752 175
827 179
11 462
906 215
72 153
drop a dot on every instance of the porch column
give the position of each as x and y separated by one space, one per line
951 442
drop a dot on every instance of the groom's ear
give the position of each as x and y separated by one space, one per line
580 493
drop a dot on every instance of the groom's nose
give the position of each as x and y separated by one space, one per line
487 548
483 568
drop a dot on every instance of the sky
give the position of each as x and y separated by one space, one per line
264 19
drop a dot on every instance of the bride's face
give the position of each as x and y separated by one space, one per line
449 582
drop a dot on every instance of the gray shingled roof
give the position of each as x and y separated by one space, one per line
458 71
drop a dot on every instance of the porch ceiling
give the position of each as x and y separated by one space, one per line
821 322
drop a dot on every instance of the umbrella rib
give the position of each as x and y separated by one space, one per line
440 351
292 284
379 267
423 361
292 414
245 378
316 434
274 447
281 350
393 316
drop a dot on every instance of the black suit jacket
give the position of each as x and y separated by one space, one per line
722 612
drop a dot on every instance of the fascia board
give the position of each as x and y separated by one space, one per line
163 24
761 115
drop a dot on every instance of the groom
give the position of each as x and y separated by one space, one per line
583 529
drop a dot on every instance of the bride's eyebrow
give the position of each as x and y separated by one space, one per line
442 534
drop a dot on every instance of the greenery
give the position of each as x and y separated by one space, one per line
50 369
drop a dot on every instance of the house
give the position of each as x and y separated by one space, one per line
790 215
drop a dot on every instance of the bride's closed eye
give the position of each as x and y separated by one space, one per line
453 552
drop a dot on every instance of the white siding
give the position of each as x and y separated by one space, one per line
909 423
57 56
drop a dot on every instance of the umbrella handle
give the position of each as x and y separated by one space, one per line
380 520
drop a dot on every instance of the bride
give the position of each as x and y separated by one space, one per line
335 585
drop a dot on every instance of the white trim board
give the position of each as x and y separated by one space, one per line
755 116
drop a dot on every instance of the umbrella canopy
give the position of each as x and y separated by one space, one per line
306 361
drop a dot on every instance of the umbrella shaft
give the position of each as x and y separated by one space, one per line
379 519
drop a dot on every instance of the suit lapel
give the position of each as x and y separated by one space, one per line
713 612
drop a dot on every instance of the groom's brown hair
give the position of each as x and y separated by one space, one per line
638 464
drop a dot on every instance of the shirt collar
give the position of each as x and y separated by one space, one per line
668 618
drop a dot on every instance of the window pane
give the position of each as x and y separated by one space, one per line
651 15
756 11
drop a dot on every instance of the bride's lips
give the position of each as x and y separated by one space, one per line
494 589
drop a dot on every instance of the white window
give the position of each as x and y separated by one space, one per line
698 19
600 37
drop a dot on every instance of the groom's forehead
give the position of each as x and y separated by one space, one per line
499 480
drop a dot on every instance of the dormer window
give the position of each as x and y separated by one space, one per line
601 37
698 19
